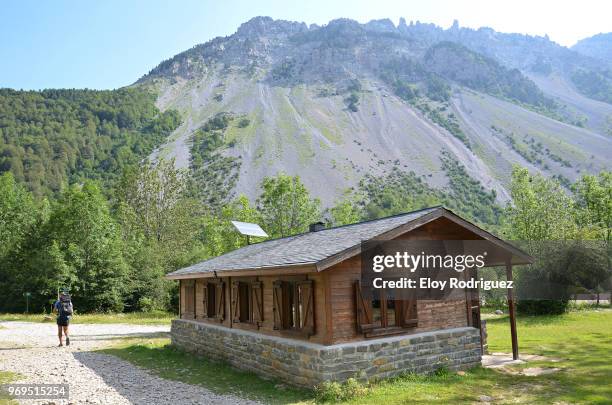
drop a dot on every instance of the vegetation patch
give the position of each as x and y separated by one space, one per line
214 175
532 150
7 377
404 191
133 318
596 85
165 361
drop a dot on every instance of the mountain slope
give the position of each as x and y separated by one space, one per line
598 46
333 103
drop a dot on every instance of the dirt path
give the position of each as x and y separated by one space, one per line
30 349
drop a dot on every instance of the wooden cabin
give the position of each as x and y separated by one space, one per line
302 292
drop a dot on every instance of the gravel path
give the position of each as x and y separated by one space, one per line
30 349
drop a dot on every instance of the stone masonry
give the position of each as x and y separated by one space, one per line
307 364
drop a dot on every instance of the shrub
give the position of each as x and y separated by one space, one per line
441 371
146 304
353 389
328 391
333 391
542 307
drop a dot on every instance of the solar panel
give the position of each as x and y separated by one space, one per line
249 229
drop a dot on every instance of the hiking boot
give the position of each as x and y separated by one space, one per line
67 341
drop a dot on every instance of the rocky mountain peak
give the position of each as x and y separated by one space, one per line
266 26
383 25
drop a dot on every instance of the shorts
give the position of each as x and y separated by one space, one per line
63 322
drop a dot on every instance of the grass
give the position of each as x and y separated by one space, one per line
135 318
7 377
579 341
167 362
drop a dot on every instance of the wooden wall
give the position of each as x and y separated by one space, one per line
267 326
432 315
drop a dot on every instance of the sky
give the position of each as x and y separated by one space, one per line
110 44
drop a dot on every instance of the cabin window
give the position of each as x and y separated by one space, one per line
293 306
247 302
213 300
246 310
380 311
211 310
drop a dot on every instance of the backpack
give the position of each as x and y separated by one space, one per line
65 307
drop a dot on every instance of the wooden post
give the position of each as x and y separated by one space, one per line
515 354
180 299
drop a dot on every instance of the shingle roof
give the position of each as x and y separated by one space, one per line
302 249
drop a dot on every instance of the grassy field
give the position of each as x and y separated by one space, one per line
136 318
580 344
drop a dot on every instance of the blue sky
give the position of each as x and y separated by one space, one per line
111 43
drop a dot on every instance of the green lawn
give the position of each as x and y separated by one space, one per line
165 361
137 318
581 342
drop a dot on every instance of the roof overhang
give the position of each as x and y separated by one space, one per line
300 268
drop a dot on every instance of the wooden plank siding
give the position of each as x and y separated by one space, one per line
267 325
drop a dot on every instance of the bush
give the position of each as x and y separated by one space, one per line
146 304
328 391
442 372
333 391
542 307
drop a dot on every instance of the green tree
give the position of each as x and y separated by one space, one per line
220 236
160 228
83 250
540 209
346 211
594 203
286 206
17 214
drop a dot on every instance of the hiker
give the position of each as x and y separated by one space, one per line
63 308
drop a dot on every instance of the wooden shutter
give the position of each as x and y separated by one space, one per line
409 312
277 305
189 310
220 301
235 314
205 299
257 288
305 298
363 311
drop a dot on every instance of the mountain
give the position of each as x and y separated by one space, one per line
598 46
452 109
335 102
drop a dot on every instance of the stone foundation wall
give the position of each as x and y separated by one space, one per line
307 364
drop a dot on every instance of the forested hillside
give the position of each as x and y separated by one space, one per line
52 138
